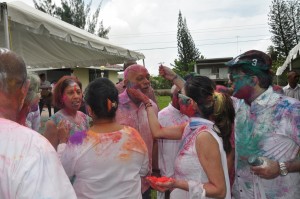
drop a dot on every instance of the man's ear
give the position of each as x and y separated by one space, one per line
24 90
125 82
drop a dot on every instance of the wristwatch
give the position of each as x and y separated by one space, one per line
283 169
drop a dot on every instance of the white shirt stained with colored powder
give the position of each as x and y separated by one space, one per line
29 166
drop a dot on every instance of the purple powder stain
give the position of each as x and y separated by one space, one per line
77 138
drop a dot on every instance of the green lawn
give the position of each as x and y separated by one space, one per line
163 101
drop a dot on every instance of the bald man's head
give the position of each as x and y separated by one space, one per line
137 76
13 72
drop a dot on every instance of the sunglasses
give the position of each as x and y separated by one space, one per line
234 77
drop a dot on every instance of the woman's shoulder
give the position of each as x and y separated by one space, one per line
133 134
56 117
84 116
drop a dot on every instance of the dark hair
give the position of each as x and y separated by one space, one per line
42 75
292 71
202 90
60 87
199 88
97 96
129 63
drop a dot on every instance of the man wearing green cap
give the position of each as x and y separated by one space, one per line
267 124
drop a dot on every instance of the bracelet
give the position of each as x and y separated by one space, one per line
174 78
148 105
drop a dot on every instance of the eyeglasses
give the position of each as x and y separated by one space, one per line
234 77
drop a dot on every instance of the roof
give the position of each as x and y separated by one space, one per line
293 54
47 42
221 60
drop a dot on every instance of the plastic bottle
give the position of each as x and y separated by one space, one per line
254 160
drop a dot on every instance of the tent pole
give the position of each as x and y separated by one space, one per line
6 31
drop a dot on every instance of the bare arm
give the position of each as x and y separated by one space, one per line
174 132
168 74
210 158
294 165
51 133
272 170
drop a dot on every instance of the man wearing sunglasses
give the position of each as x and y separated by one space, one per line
267 124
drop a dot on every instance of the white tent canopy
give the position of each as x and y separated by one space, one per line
47 42
293 54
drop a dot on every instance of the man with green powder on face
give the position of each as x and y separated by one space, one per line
267 125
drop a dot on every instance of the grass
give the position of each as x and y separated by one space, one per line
153 194
163 101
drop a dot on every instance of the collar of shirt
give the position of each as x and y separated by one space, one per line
289 87
265 100
196 122
174 110
124 98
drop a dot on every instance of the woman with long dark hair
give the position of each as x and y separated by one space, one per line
201 165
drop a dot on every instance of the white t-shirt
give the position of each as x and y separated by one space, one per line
106 165
292 92
29 166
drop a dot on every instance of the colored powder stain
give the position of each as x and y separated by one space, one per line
153 180
124 156
78 137
113 137
93 135
135 142
6 161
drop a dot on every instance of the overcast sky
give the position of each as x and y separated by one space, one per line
220 28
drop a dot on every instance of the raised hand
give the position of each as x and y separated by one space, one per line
167 73
268 170
63 131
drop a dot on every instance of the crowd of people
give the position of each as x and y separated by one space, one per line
211 141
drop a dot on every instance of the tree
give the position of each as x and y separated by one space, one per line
187 51
284 25
294 17
75 12
277 61
46 6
